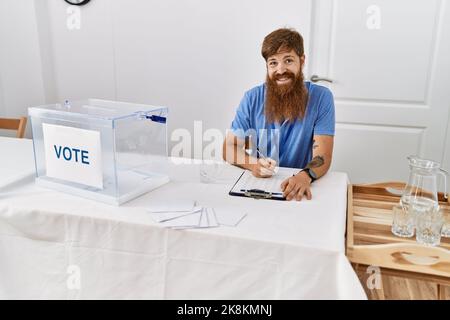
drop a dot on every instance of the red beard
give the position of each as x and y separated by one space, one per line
287 101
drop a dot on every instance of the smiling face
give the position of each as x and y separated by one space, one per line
286 95
284 67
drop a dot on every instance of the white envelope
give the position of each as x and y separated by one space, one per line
166 216
190 220
229 217
211 217
175 206
204 219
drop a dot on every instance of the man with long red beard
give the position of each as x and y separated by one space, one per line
285 119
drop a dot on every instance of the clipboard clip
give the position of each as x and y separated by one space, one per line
258 194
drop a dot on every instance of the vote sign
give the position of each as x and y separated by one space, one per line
73 154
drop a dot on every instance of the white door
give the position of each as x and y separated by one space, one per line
390 66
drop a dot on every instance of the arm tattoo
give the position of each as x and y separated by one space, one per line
315 145
316 162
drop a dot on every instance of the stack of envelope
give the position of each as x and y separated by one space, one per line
187 214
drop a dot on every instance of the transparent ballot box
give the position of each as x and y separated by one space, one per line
102 150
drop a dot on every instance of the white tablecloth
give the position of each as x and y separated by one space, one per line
281 250
16 160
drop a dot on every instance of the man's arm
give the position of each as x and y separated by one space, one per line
300 184
234 153
322 155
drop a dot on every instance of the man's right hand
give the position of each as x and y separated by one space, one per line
264 168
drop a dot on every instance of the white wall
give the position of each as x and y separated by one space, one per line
196 57
446 158
444 64
2 104
21 83
46 50
83 60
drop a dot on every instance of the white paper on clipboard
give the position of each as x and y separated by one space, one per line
270 185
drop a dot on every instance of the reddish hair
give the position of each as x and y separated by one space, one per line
282 40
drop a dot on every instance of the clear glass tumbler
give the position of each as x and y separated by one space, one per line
403 221
446 226
209 171
428 227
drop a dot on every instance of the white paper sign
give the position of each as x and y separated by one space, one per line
73 154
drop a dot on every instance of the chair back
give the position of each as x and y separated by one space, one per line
14 124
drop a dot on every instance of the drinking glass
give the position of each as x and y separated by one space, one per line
209 171
403 221
428 227
446 226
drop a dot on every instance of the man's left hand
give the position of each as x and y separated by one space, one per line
297 186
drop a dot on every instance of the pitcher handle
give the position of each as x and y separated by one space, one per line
445 174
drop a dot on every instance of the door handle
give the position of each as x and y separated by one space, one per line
316 78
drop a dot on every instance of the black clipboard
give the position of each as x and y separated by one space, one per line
255 193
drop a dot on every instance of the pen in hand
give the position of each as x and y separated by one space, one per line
261 155
249 150
269 160
268 166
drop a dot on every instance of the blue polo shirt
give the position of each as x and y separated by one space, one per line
289 143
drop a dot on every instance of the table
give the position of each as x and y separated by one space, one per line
54 245
16 160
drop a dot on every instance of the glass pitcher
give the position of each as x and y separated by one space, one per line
420 194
